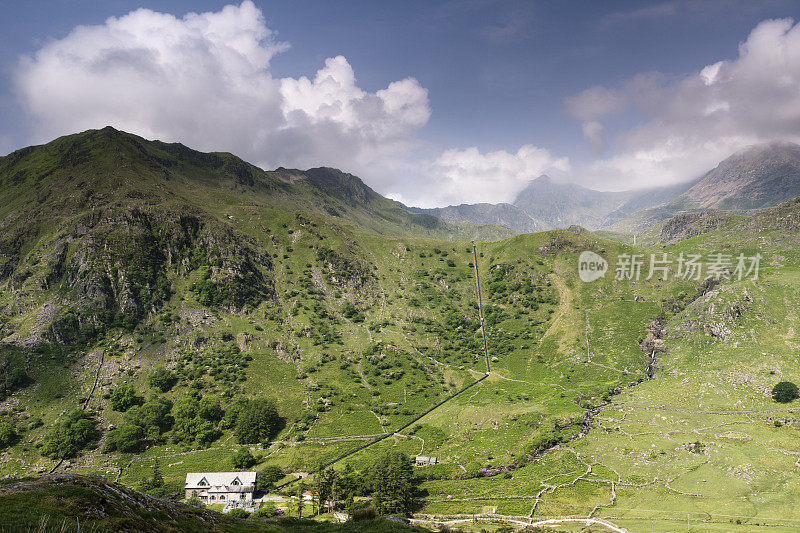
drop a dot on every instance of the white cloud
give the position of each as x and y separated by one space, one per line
691 123
469 176
204 80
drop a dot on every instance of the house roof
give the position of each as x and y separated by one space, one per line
214 479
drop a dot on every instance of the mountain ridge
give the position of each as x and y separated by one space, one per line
761 175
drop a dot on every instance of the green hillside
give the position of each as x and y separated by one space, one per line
157 289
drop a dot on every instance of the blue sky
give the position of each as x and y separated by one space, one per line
582 85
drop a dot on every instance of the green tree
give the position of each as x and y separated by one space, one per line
785 392
209 409
161 379
194 502
259 421
70 435
243 458
123 397
299 493
324 481
268 476
392 483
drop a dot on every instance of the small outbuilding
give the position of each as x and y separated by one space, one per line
421 460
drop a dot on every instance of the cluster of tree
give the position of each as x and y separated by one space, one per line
246 288
70 435
196 419
143 423
192 420
389 480
225 365
123 397
244 459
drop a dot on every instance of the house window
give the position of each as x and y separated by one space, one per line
222 497
202 483
236 481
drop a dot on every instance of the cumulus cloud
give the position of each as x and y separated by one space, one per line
470 176
204 80
691 123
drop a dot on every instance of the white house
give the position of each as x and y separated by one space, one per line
220 487
421 460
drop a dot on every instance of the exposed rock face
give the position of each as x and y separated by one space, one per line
688 225
114 266
759 176
715 314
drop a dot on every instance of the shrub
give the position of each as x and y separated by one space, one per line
194 502
365 513
8 435
238 513
243 459
123 397
161 379
785 392
267 510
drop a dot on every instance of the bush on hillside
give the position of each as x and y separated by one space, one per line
127 438
194 502
785 392
123 397
8 435
161 379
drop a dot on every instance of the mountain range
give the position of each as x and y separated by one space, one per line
756 177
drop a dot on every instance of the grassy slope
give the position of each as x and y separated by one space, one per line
423 324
